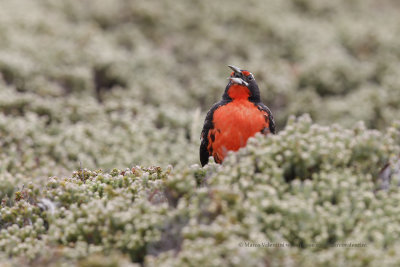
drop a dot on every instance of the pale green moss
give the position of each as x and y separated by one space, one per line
117 84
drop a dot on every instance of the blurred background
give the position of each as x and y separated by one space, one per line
113 84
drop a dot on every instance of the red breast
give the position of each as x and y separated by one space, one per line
234 123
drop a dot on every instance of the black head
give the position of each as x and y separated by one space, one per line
242 79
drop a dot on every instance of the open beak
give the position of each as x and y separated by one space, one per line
235 69
237 80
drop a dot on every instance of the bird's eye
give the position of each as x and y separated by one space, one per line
250 77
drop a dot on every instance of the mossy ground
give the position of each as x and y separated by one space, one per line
110 89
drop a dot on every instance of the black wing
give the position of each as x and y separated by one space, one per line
208 125
271 122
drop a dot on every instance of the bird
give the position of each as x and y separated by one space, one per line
234 119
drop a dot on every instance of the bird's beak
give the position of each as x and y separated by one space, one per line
236 80
239 81
235 69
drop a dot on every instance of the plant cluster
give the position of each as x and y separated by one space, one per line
311 192
113 84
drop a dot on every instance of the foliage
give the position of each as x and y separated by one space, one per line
113 84
211 216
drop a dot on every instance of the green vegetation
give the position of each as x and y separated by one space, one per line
112 89
205 216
